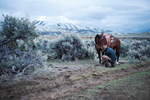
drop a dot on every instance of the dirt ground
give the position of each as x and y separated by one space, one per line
60 81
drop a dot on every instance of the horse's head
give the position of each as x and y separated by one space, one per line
100 40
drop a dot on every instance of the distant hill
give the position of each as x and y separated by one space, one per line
45 28
54 29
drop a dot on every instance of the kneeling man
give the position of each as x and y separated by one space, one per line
110 56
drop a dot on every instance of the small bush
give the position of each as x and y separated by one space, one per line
144 43
141 54
139 51
134 54
70 47
44 45
145 51
124 49
4 56
28 60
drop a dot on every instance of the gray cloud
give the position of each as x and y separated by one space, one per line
116 15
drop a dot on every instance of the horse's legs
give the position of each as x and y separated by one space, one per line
116 46
118 54
102 53
99 55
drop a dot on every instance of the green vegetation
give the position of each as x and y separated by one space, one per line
134 86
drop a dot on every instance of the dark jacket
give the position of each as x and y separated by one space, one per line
110 53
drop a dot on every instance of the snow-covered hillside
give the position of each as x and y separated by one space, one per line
45 28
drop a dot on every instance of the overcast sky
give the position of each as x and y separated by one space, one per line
129 16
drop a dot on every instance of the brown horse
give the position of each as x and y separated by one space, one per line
110 41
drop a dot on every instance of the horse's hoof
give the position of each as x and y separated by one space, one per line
117 63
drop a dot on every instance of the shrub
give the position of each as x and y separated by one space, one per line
14 29
134 54
124 49
28 60
144 43
145 51
69 47
141 54
44 45
16 44
91 48
4 55
139 51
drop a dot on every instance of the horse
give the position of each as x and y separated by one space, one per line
110 41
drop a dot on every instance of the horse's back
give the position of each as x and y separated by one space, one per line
115 40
